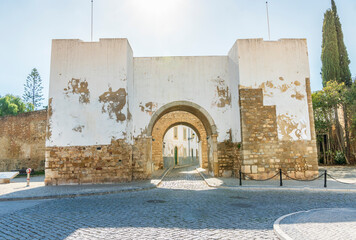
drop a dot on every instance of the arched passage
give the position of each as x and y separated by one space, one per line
191 115
181 146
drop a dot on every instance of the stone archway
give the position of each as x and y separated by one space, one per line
193 116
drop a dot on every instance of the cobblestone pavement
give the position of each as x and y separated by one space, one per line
330 223
183 207
17 188
345 174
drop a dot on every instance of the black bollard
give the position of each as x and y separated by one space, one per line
240 178
280 178
325 179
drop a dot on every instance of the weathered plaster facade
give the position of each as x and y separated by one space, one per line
108 111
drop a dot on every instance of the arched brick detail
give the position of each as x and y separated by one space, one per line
168 120
185 106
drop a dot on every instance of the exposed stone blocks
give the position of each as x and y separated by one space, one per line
262 153
22 141
228 157
141 159
117 162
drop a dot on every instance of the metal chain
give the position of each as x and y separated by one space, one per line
261 180
301 180
339 180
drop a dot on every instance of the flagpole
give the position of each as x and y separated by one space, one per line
269 34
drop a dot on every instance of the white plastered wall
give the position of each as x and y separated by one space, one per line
161 80
103 65
280 68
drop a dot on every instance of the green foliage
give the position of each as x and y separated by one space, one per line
340 157
33 89
324 103
329 54
344 61
350 101
12 105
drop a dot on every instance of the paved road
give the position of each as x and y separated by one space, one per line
183 207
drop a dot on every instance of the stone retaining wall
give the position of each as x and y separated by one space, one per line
117 162
22 141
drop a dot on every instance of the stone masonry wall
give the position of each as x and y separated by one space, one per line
22 141
117 162
228 156
262 153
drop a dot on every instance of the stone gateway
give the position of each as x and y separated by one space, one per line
108 111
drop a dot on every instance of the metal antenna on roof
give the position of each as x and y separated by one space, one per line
91 20
269 34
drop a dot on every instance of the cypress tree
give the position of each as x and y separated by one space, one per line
344 61
345 74
329 50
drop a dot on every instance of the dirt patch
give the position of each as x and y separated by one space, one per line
113 103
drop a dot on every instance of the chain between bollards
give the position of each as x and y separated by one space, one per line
280 177
325 178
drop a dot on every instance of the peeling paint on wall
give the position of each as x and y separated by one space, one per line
78 128
223 93
224 97
113 103
149 107
297 95
288 127
50 113
76 86
284 88
268 86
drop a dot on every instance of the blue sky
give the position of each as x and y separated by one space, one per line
158 28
